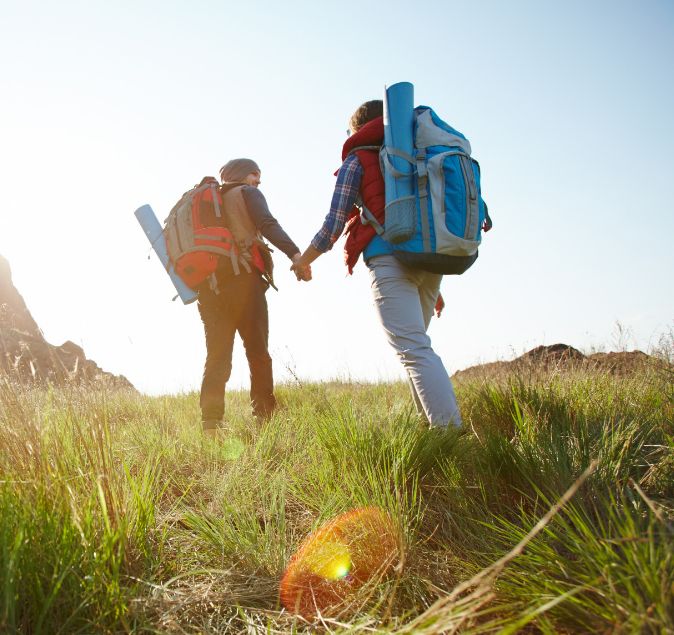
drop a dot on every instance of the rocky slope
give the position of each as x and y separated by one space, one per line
26 356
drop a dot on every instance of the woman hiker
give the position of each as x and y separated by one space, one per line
404 297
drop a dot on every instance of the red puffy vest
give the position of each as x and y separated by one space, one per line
371 189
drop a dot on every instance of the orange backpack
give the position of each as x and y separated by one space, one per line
195 249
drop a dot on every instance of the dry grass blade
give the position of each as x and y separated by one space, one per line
482 581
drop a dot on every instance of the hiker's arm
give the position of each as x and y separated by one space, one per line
343 198
267 225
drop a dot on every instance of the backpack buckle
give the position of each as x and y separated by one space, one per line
421 164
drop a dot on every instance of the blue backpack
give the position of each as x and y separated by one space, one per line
441 229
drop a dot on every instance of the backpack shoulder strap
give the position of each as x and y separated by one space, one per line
357 148
236 215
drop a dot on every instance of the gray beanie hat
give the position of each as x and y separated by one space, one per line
236 170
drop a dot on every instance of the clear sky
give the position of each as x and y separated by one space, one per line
107 106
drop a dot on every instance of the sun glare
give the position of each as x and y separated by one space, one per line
330 560
334 562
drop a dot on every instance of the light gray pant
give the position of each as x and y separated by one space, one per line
405 298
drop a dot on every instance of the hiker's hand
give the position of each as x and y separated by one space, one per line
439 305
301 270
302 274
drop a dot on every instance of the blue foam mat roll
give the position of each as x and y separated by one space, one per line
400 218
154 233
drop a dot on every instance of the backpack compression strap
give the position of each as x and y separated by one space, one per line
422 183
419 168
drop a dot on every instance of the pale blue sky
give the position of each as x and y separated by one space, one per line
106 106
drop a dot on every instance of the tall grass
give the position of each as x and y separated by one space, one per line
116 515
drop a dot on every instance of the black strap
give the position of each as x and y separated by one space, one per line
487 219
373 148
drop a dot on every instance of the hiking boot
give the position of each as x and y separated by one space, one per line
211 427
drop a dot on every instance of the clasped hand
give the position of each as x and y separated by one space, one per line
302 271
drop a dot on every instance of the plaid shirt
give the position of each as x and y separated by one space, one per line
343 199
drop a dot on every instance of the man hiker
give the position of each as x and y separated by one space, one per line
404 296
234 300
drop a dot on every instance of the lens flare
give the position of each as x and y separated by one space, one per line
330 560
336 560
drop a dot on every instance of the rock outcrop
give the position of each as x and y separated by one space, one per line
562 357
26 356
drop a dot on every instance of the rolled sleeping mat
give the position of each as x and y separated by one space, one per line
154 232
397 158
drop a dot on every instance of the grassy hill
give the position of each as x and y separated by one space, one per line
116 515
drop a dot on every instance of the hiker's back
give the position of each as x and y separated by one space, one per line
210 230
439 227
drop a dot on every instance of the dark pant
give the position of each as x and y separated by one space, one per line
239 306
